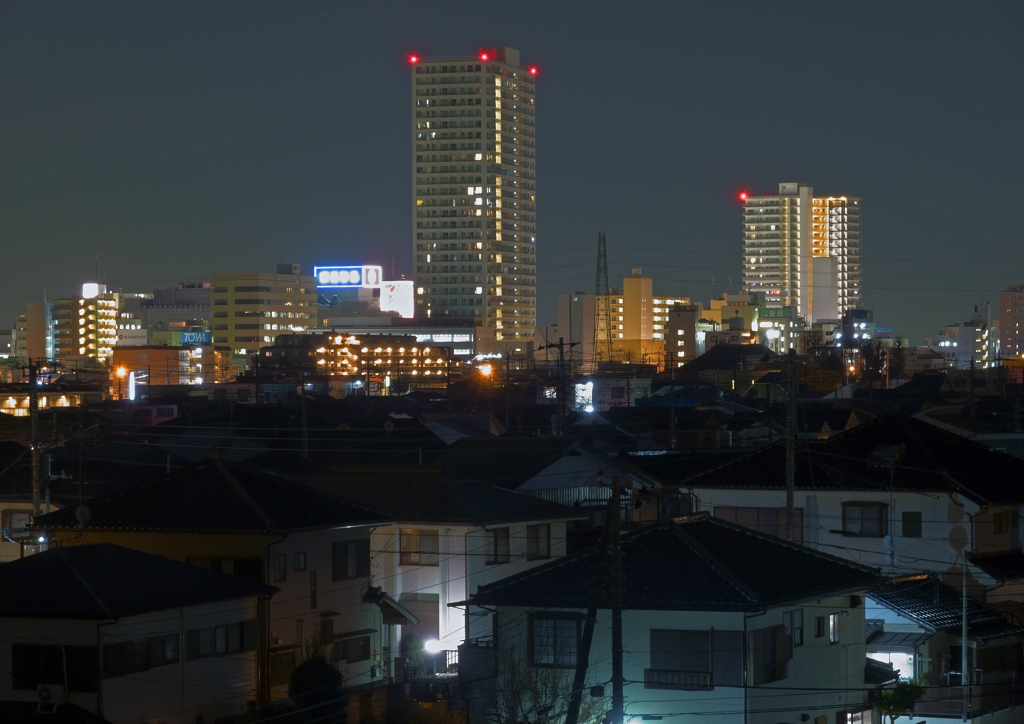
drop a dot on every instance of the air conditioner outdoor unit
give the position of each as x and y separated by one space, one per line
49 693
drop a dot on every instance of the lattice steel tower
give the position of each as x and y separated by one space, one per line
602 307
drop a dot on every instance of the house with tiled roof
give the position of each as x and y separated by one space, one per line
914 623
894 492
447 538
105 633
716 619
311 544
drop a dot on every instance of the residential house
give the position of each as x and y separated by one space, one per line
127 636
719 622
914 623
447 538
894 492
255 526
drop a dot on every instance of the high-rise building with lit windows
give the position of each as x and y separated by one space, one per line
86 326
803 251
474 193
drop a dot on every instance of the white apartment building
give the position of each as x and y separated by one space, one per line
803 251
473 192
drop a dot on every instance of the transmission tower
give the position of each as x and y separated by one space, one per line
602 307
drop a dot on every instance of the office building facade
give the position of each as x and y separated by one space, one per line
803 251
250 310
474 192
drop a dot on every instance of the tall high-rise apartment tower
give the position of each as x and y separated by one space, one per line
474 192
803 251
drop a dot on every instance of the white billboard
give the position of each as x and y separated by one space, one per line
132 337
398 297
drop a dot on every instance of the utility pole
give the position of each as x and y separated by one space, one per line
583 659
790 441
505 360
964 691
972 388
33 411
618 680
672 407
560 390
305 427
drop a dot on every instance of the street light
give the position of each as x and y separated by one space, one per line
485 370
121 372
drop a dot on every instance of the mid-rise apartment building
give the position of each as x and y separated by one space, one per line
639 324
1011 321
474 192
85 325
803 251
249 310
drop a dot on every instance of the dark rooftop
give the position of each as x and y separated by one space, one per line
105 581
932 460
698 563
430 497
935 606
214 498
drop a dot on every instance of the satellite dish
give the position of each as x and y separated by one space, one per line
82 515
389 427
888 542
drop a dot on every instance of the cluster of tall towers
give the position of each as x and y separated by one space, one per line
474 209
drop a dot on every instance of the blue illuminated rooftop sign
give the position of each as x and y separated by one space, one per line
347 277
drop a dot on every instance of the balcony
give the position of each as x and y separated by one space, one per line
975 701
678 680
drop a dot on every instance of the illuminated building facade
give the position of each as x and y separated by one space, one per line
380 363
474 192
86 325
250 310
803 251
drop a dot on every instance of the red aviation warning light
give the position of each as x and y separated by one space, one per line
743 195
484 56
533 70
414 59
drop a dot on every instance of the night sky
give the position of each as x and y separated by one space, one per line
176 139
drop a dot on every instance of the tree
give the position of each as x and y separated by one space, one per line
525 694
315 684
901 698
896 359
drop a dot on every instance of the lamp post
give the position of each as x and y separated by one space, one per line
121 372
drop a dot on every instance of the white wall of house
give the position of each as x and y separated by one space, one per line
210 687
460 568
817 665
945 526
296 615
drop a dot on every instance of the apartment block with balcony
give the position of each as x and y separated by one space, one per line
474 192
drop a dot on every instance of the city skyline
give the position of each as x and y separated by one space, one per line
198 148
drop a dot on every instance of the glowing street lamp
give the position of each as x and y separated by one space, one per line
121 372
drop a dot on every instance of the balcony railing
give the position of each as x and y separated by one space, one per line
681 680
980 699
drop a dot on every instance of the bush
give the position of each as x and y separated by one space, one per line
315 681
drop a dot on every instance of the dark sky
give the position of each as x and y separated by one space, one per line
177 139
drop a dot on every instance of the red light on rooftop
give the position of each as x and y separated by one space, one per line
484 56
413 59
533 70
744 195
